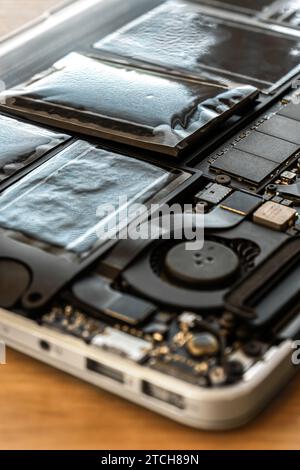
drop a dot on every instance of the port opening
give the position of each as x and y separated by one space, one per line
162 394
44 345
105 370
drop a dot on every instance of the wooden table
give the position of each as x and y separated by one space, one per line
42 408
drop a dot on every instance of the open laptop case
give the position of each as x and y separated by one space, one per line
149 179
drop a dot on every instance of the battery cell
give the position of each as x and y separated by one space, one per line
22 144
255 5
78 196
125 104
178 35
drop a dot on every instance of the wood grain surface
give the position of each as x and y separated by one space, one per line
42 408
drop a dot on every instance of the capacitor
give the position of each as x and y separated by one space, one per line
202 344
218 375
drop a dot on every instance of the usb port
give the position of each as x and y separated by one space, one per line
104 370
163 395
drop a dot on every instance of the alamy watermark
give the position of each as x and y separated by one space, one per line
139 222
296 353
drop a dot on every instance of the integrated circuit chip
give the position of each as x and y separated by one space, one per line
214 193
268 147
241 203
259 154
244 165
291 111
283 128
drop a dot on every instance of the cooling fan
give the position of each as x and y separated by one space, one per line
192 279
